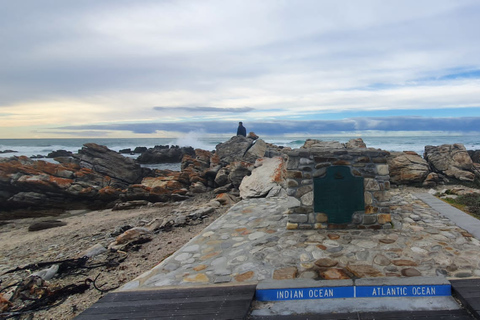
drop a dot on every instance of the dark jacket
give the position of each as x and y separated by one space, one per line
241 131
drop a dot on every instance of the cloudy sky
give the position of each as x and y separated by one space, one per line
159 68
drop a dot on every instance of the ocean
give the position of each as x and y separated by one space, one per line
391 141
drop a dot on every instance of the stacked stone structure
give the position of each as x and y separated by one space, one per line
312 161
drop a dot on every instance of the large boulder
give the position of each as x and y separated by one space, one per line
452 160
268 174
407 168
123 171
233 149
239 170
39 184
165 154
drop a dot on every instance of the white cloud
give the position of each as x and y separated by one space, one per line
119 59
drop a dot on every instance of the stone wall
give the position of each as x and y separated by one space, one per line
306 164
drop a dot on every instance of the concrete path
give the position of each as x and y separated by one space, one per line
250 244
459 217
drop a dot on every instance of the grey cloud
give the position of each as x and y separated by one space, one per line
205 109
465 124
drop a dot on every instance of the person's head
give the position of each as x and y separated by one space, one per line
240 123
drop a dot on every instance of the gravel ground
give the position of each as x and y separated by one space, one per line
83 230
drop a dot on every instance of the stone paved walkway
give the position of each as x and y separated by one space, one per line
250 243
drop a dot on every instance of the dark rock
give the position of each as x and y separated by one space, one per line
165 154
123 171
8 151
59 153
47 224
125 151
233 149
474 155
140 150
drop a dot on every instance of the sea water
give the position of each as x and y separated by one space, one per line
391 142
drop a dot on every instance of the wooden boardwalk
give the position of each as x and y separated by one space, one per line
199 303
468 292
233 302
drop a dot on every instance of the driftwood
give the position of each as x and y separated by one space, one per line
64 265
33 294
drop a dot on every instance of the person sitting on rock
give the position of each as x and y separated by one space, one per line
241 131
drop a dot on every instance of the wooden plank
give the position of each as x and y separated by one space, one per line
176 293
185 303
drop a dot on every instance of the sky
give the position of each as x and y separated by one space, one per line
141 68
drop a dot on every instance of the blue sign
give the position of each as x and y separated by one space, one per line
353 292
304 293
403 291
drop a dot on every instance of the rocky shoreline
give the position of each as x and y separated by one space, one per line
108 202
97 177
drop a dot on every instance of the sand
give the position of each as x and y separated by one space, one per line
83 230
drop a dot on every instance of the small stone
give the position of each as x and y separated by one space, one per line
334 274
335 249
410 272
200 267
364 271
308 275
386 241
183 256
321 246
285 273
244 276
333 236
292 226
366 244
404 262
223 279
381 260
201 277
208 234
419 250
325 263
256 235
441 272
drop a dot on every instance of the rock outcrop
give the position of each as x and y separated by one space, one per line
407 168
452 160
122 170
268 174
165 154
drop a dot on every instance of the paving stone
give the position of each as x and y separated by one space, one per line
364 271
308 275
201 277
244 276
381 260
285 273
251 241
404 262
326 263
334 274
386 241
410 272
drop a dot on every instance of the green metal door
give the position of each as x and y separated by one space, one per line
338 194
